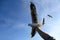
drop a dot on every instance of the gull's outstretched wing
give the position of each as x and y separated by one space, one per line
34 18
33 13
33 32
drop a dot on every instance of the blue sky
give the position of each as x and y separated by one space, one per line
15 16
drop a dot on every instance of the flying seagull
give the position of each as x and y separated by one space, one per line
34 19
50 16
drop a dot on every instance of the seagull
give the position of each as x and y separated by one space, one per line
34 17
50 16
